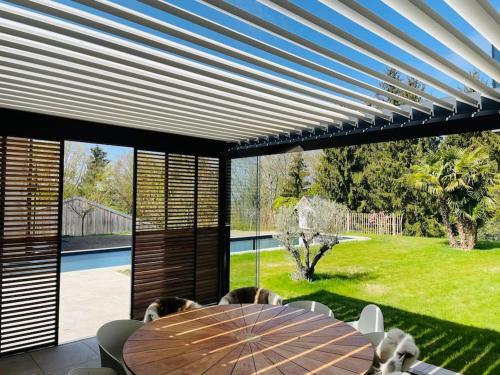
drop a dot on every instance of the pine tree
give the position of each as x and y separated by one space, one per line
367 178
94 185
295 184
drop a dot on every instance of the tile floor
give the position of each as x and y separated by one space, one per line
85 353
91 298
53 361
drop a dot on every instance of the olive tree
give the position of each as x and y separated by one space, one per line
318 233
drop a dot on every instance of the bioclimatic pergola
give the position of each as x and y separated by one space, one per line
188 102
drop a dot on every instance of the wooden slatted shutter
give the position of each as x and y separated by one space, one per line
180 255
176 243
207 233
30 207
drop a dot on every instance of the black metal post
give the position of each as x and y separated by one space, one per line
59 236
257 224
134 224
195 223
224 224
3 155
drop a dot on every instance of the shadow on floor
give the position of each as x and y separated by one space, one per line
453 346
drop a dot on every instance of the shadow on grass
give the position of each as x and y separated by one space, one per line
487 245
480 245
343 276
457 347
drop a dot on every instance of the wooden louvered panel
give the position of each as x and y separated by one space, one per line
181 192
30 195
207 265
180 234
207 235
176 231
151 192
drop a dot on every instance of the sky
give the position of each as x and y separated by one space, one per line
326 13
114 153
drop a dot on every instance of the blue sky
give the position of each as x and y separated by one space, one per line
114 152
328 14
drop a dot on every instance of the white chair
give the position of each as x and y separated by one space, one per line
312 306
111 338
92 371
370 320
375 337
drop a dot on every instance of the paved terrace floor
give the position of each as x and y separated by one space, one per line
85 353
90 298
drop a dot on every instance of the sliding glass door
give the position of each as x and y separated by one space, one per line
245 223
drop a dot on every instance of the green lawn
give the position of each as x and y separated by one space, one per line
449 300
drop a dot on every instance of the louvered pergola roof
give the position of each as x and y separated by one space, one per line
105 62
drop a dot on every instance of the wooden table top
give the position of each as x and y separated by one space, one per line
247 339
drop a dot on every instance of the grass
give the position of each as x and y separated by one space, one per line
449 300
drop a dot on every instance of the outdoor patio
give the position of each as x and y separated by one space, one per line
85 354
399 103
79 315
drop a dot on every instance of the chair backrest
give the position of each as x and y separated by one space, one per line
375 337
251 294
371 319
111 338
164 306
317 307
92 371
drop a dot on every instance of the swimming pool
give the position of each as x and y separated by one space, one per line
239 244
83 260
95 259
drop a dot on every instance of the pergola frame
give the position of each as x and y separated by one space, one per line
67 74
66 61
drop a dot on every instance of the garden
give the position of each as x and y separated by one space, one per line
448 300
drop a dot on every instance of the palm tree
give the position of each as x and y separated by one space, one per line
463 181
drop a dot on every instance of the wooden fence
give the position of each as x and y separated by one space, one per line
96 218
372 223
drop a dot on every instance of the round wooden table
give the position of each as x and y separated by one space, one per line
247 339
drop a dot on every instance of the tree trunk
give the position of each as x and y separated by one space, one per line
83 223
322 251
462 234
301 270
445 213
471 235
302 274
468 234
308 251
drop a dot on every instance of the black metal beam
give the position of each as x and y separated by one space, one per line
224 224
459 123
60 204
134 226
34 125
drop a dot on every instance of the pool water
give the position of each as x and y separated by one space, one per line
238 245
95 259
122 257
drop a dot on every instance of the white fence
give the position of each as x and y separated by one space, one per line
373 223
96 218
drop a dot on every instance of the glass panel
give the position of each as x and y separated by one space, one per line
244 222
